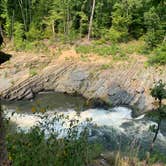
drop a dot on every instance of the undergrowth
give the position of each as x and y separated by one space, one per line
159 55
117 51
43 145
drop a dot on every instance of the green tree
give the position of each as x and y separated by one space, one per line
121 19
159 93
155 23
113 20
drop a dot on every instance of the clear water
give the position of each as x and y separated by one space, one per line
115 127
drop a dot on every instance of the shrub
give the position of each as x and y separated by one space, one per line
34 34
114 35
42 145
155 28
159 55
18 36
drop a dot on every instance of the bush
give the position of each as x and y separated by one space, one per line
42 145
114 35
34 34
159 55
153 39
18 36
155 28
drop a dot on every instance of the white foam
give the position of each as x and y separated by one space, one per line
140 117
100 117
24 121
113 118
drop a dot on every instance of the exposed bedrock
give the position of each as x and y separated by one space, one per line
119 85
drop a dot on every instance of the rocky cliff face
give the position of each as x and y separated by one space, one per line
121 84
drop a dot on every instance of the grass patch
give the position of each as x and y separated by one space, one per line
102 50
133 47
84 49
36 46
84 58
33 72
105 66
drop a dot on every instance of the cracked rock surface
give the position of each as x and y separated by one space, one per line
121 84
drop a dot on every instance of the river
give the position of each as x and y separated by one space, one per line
115 128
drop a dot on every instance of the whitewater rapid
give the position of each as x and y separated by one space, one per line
111 123
100 117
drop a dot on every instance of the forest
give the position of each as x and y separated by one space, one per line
108 20
82 82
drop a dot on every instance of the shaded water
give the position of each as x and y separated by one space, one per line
115 127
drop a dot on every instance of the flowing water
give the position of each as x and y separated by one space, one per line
115 128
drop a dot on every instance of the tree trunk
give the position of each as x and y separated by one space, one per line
53 29
64 17
1 31
12 26
158 126
68 18
22 13
30 12
1 36
91 19
3 151
155 136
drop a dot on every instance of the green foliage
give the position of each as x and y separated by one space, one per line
120 22
159 91
101 50
152 19
157 157
106 50
114 21
33 72
83 23
36 46
43 146
70 38
105 66
18 36
133 47
114 35
159 55
34 33
155 25
84 49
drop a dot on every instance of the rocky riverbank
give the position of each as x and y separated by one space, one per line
116 83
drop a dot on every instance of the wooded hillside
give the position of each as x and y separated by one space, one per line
110 20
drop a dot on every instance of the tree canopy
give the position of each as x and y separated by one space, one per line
115 20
